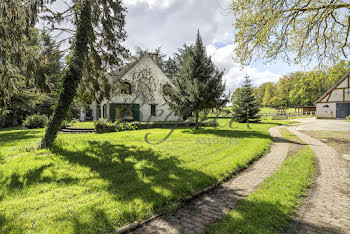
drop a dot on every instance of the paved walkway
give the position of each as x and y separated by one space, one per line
313 124
327 209
199 213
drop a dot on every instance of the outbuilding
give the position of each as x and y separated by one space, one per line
335 103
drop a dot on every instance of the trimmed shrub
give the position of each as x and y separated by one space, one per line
348 118
35 121
124 126
103 125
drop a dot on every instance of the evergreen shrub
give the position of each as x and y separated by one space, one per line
35 121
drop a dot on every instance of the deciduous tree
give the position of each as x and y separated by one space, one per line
293 30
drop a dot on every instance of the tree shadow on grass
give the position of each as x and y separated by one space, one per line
33 176
236 134
229 133
99 222
137 173
18 135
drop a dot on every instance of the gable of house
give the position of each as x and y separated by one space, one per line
340 92
144 69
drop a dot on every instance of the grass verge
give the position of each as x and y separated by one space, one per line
271 207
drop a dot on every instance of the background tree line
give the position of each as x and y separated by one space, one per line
299 88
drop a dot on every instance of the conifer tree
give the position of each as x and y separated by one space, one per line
198 82
95 44
246 106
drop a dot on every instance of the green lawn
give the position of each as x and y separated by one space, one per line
83 125
271 207
98 182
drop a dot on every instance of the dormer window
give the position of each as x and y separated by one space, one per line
166 89
125 88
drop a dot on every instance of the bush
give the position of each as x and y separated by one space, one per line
124 126
65 124
35 121
103 125
348 118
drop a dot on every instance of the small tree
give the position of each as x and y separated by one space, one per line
245 105
198 82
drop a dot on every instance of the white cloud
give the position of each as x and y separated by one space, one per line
150 3
171 23
234 73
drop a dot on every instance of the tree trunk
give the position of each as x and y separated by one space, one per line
72 76
248 119
197 118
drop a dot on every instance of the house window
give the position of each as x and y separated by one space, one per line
124 112
104 114
166 89
153 110
125 88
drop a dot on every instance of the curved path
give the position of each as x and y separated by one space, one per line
199 213
327 209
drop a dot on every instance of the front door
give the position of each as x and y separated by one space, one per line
343 110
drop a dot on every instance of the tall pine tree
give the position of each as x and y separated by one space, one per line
198 82
245 105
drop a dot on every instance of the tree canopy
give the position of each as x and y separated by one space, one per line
293 30
300 88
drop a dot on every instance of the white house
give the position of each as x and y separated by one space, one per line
138 94
335 103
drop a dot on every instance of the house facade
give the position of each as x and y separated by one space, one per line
335 103
138 95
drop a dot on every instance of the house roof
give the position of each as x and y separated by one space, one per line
121 72
333 87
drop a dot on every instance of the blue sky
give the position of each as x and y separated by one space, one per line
171 23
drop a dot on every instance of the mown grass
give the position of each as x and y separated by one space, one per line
83 125
98 182
271 207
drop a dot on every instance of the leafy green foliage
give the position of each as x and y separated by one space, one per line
24 98
198 82
35 121
19 62
294 30
348 118
245 105
300 88
96 49
104 125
